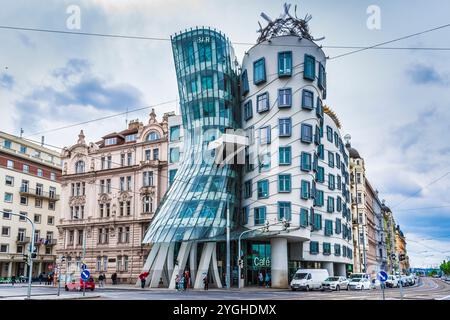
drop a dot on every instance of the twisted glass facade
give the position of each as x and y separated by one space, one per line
195 206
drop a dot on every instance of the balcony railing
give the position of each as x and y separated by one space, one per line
38 193
23 239
50 242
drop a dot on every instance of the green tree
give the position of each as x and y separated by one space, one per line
445 267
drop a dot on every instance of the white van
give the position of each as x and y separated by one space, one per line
309 279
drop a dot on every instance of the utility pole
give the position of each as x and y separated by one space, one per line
227 280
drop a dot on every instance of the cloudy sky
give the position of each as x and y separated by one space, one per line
394 103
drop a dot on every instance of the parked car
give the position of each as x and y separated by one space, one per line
335 283
73 285
359 276
392 281
309 279
404 281
359 284
411 281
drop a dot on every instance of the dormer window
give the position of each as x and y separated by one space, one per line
110 141
153 136
130 137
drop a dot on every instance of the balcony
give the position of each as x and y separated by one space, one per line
38 193
22 239
50 242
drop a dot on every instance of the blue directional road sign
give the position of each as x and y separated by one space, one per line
382 276
85 275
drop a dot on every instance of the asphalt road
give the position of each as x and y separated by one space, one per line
428 289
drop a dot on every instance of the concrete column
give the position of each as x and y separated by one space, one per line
39 269
340 269
193 260
329 266
279 272
10 264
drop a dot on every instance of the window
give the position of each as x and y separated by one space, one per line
37 218
110 141
330 134
23 149
40 172
322 77
260 215
174 155
336 139
259 71
326 248
284 98
172 174
317 221
129 159
284 63
310 68
204 51
52 176
330 159
248 189
244 80
338 226
10 164
4 248
7 214
26 168
263 189
284 127
307 99
79 167
244 216
338 161
108 185
155 154
284 154
7 144
24 201
338 204
8 197
147 177
317 135
109 162
313 247
39 189
284 210
130 137
305 161
147 204
305 190
152 136
264 135
359 198
23 214
319 108
320 175
331 183
306 133
148 153
358 177
304 217
248 110
175 133
262 102
321 152
9 181
328 227
337 249
284 183
264 161
207 82
51 205
318 200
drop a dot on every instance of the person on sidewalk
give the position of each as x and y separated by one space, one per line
13 280
100 280
267 280
114 278
205 282
143 277
177 282
260 279
41 278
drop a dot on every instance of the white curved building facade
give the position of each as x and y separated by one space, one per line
296 164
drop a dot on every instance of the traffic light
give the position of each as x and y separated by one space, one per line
34 253
286 224
25 258
402 257
241 263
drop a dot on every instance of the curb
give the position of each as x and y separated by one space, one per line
70 298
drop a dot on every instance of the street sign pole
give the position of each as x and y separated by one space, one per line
382 276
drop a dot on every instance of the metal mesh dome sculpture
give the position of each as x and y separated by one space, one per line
286 24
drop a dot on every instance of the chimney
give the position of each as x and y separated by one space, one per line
42 141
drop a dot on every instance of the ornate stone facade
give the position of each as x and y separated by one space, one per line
110 191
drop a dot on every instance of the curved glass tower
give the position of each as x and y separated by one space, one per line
194 208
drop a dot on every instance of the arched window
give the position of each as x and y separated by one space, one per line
147 204
153 136
79 167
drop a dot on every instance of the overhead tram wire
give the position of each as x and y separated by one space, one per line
119 36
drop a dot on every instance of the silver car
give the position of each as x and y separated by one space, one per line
335 283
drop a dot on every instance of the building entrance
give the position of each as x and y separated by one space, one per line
258 261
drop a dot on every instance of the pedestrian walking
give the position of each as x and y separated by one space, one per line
177 282
260 279
267 279
100 280
48 279
205 282
181 284
114 278
13 280
186 280
41 278
143 276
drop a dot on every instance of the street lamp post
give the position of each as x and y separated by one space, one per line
30 258
228 248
